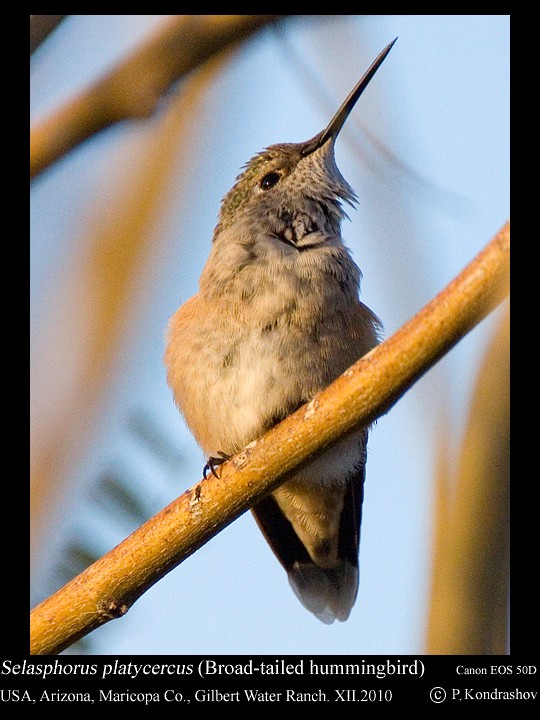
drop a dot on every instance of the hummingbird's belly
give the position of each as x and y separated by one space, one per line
260 385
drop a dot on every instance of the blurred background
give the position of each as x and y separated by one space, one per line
120 230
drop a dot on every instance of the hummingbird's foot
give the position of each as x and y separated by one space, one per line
214 462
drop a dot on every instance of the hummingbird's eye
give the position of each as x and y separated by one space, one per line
269 180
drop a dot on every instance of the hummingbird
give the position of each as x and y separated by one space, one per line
276 319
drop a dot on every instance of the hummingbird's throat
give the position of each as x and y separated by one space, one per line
293 227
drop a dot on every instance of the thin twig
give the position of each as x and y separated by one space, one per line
368 389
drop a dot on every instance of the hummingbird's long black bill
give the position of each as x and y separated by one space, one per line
337 122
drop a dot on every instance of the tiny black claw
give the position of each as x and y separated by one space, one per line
214 462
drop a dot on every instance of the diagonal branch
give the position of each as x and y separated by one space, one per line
368 389
134 87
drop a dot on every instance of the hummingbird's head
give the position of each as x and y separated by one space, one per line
292 189
287 180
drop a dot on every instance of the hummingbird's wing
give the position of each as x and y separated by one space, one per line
327 593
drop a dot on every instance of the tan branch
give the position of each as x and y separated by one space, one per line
134 87
469 598
111 585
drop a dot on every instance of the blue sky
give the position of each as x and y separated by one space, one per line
427 151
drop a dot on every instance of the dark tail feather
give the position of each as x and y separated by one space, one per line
328 594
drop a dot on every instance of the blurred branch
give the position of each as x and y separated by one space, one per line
117 246
134 87
470 592
369 388
41 26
